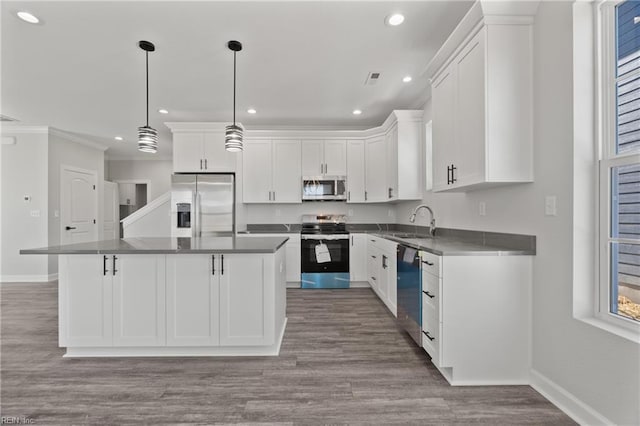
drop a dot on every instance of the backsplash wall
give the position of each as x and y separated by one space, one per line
292 213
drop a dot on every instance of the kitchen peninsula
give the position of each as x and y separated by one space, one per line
217 296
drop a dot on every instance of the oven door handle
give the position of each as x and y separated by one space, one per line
325 237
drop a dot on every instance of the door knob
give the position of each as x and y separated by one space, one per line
68 228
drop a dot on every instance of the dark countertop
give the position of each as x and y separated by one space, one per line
204 245
446 246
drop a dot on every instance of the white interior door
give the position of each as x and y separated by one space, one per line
111 225
78 206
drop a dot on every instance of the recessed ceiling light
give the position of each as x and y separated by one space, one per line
163 111
395 19
251 111
118 138
357 112
28 17
407 79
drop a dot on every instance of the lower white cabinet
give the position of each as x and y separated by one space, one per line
179 304
381 270
138 300
476 317
245 306
358 257
292 251
193 293
112 300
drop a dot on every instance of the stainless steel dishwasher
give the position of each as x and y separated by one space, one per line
409 285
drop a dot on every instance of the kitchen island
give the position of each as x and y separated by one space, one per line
217 296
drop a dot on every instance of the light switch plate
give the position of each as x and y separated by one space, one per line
550 205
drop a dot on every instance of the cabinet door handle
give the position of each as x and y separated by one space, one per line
274 195
448 175
201 164
427 262
205 164
390 192
431 296
321 168
384 261
68 228
374 257
352 241
269 195
365 195
453 174
213 264
222 264
348 195
374 278
113 272
426 333
104 265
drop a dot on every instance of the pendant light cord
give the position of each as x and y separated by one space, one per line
234 88
147 60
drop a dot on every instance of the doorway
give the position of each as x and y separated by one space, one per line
78 205
132 197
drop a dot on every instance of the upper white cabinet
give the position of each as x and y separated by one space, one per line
356 184
483 104
376 170
199 148
324 157
272 171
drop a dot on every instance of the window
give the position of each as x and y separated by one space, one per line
619 287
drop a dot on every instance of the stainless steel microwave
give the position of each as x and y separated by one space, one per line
324 188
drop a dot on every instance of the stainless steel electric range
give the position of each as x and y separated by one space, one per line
324 251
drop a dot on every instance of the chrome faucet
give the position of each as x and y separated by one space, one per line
432 223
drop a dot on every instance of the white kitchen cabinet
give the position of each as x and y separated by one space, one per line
193 294
376 170
356 183
127 194
271 171
391 142
108 300
405 144
381 270
287 174
358 257
86 301
292 253
138 300
200 152
476 317
483 107
324 157
244 305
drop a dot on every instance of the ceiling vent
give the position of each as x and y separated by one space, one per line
372 78
5 118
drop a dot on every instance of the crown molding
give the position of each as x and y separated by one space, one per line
21 129
77 139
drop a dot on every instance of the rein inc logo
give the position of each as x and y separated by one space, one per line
16 420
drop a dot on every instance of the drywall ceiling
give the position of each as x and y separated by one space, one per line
303 63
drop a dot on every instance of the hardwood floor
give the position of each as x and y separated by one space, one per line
343 360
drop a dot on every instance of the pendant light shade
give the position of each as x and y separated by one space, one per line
233 133
147 136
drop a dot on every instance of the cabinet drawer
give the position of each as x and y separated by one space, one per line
430 303
431 335
430 263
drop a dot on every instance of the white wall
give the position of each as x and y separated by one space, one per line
64 151
156 172
24 172
599 369
292 213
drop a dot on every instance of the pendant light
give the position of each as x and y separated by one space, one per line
233 134
147 136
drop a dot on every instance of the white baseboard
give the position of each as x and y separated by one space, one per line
566 401
359 284
28 278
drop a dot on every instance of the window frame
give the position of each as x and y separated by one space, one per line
606 81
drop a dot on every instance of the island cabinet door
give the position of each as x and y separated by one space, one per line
85 301
247 299
193 294
138 300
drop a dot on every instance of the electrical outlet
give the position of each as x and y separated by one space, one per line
482 208
35 213
550 205
56 213
390 213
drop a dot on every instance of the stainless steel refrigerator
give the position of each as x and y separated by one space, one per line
202 205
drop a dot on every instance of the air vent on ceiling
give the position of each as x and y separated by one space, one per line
372 78
5 118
